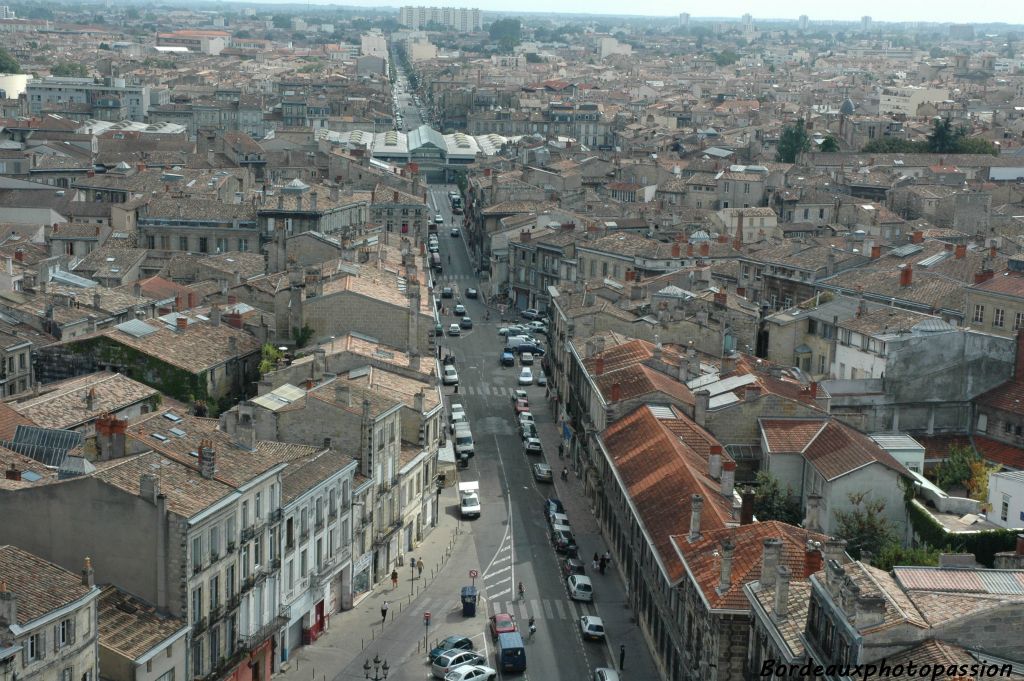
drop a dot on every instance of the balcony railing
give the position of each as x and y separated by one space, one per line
200 626
248 533
255 639
216 612
277 515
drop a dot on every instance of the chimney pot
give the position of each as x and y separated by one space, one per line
207 459
747 507
876 252
960 251
599 366
676 251
812 558
782 593
814 390
696 506
917 236
906 275
88 574
181 323
702 399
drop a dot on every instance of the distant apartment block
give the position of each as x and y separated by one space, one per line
6 12
905 100
461 19
131 101
205 42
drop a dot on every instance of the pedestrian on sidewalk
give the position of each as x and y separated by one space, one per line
622 656
561 449
596 556
565 474
608 557
602 564
394 580
384 611
593 564
419 566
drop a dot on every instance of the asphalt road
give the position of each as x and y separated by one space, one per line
409 110
511 537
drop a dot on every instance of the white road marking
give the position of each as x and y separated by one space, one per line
497 572
560 607
500 582
503 593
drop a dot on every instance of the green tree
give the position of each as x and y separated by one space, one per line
942 138
506 30
269 355
793 142
69 69
829 145
7 63
975 145
956 469
771 502
894 554
726 58
282 21
894 145
864 527
303 335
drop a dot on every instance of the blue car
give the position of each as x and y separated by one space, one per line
553 505
508 359
451 643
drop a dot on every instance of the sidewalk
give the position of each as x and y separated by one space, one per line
609 588
352 635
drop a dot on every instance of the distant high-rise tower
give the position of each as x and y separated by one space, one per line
684 19
865 23
803 22
747 20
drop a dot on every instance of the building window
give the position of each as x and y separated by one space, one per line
204 245
214 542
303 563
998 320
1004 508
979 314
243 245
197 553
197 658
182 243
1018 321
197 603
65 633
229 582
150 243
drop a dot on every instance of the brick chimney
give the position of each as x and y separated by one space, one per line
181 323
599 366
12 473
906 275
960 251
88 574
876 252
812 558
917 236
616 392
984 274
524 236
705 248
207 459
752 391
689 250
696 506
812 389
728 478
110 437
676 251
747 507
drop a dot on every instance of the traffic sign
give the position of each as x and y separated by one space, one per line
426 617
473 574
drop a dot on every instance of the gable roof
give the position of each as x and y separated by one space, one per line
41 586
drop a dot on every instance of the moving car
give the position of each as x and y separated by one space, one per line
531 445
439 219
447 292
451 643
471 293
460 309
451 376
508 359
580 588
542 378
573 566
502 623
525 376
453 659
454 330
466 323
542 473
530 313
455 231
592 628
526 359
472 672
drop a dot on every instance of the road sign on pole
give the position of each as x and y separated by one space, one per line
426 629
473 574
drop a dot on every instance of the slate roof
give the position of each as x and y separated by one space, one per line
938 654
704 563
305 473
41 586
791 627
832 447
130 626
659 474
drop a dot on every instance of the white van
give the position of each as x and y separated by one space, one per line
469 499
463 439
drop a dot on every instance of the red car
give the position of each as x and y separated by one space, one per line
522 406
502 623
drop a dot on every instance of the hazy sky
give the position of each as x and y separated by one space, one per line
1009 11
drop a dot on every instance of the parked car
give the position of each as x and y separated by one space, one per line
454 330
526 376
592 628
532 348
573 566
438 330
466 323
472 672
522 405
580 588
453 659
542 473
542 378
526 359
536 325
447 292
528 430
451 376
530 313
460 309
552 505
563 541
605 674
507 359
439 219
519 395
558 519
531 445
471 293
502 623
458 416
451 643
526 417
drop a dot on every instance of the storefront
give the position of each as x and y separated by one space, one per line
361 578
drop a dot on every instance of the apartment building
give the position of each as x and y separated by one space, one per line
460 19
133 100
995 303
48 625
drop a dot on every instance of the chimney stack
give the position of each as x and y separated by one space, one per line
751 391
88 574
616 392
696 506
876 252
181 323
781 608
812 558
725 578
12 473
917 236
770 555
715 462
702 399
8 605
906 275
207 459
676 251
728 478
343 394
960 251
747 507
813 390
215 315
599 366
705 249
90 399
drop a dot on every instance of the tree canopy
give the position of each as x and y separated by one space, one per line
865 528
793 142
506 32
69 69
943 139
771 502
7 63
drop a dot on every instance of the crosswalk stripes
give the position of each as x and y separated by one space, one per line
542 609
560 608
486 390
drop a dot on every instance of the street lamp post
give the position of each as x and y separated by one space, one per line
377 669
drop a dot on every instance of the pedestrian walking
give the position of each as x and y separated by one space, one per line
412 566
561 449
394 579
419 566
602 564
565 474
608 557
384 611
593 565
596 557
622 656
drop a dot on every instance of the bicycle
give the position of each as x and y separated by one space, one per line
533 627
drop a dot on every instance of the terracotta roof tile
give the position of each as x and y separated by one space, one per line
790 435
65 405
130 626
938 654
41 586
834 450
704 562
10 419
636 380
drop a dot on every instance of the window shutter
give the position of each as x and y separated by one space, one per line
71 630
56 638
41 648
24 654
